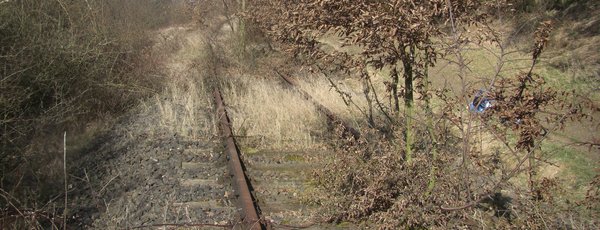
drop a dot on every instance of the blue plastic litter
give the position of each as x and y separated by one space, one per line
480 103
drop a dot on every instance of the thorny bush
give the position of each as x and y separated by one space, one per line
372 181
454 184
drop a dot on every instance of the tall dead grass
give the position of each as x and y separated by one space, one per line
267 115
184 107
324 92
264 112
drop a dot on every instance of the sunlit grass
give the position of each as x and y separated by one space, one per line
578 168
267 115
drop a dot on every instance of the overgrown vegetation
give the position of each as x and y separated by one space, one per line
425 160
63 66
467 169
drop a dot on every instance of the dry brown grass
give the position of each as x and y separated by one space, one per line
184 107
264 113
267 115
323 92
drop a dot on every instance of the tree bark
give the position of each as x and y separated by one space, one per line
408 62
394 86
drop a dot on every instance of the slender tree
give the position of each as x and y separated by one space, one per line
392 34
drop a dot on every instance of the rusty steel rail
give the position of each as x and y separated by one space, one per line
330 115
248 208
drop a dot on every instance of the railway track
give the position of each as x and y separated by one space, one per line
215 192
269 186
248 210
268 189
168 180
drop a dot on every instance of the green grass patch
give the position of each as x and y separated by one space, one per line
344 224
249 151
294 158
578 168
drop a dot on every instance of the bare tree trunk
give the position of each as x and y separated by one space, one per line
408 62
394 86
408 78
532 176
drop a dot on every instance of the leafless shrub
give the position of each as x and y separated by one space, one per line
62 65
450 181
